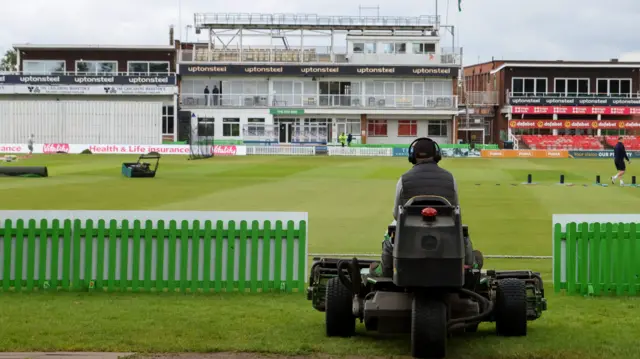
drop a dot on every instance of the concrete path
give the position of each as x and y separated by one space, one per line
64 355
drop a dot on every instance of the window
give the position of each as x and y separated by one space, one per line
437 128
364 47
614 87
377 128
370 47
148 67
255 127
167 120
43 67
407 128
571 87
206 126
97 67
230 127
424 48
394 48
534 86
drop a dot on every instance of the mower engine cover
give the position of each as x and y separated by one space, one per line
429 247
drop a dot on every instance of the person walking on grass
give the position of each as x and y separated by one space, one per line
619 156
30 143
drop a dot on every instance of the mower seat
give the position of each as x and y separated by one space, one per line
429 250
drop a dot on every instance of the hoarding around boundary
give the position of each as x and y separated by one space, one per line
599 154
574 124
524 154
574 110
52 148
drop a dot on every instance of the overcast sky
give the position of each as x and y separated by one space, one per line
503 29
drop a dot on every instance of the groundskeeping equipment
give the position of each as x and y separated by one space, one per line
24 171
432 293
142 169
201 141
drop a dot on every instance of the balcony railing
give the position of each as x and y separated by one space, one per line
316 54
511 94
267 21
80 73
321 101
486 98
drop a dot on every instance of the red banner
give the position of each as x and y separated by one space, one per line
49 148
575 110
574 124
224 150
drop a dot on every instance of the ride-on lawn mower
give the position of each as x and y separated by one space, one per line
432 293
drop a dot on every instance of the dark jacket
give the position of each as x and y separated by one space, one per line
619 153
425 179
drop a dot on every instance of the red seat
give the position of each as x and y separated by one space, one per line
551 142
631 143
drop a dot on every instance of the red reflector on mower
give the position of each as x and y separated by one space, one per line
429 212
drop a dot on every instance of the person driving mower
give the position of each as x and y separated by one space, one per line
424 178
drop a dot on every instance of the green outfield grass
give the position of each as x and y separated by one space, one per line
349 201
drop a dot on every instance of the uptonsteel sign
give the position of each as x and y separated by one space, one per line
87 80
574 124
574 110
302 70
573 101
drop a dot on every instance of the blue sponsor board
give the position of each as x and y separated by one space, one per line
446 152
322 150
400 152
600 154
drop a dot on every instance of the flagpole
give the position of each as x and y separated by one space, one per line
180 20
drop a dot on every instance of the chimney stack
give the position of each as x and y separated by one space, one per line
171 42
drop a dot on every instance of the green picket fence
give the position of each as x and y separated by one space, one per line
183 256
597 258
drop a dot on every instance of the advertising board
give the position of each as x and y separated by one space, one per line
446 152
524 154
600 154
51 148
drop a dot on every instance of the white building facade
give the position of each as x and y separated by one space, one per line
391 84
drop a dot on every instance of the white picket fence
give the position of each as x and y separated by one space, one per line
281 150
360 151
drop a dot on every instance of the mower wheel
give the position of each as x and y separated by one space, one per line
511 308
339 318
472 329
428 328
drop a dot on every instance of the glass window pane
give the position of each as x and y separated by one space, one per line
370 47
541 86
614 87
358 47
518 86
603 87
583 87
159 67
572 87
86 67
138 68
560 86
625 87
